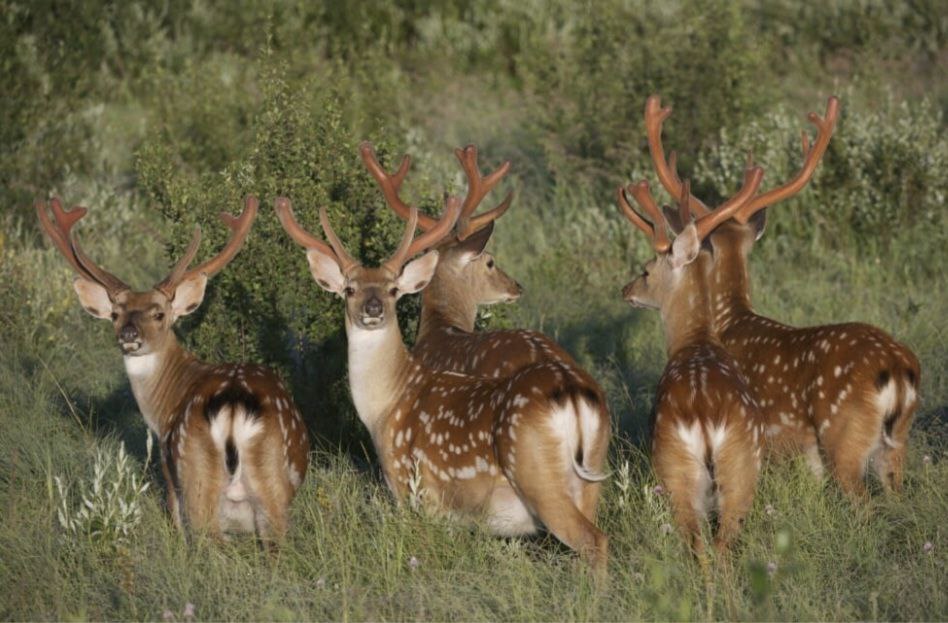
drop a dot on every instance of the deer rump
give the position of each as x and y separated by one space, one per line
232 422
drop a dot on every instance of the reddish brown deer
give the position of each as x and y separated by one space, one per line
515 451
706 433
846 391
234 448
466 278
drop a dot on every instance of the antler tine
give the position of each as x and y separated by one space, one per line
452 210
655 116
643 196
61 235
169 283
342 256
391 184
811 158
684 210
477 188
284 210
403 252
239 227
706 224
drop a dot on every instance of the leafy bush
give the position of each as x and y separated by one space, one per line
884 169
265 306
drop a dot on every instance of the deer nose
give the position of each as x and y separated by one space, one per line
373 307
129 333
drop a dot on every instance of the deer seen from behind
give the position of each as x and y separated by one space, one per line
234 449
706 429
842 394
518 452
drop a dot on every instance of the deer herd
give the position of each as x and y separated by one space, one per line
504 426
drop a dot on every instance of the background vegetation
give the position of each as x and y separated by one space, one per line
158 117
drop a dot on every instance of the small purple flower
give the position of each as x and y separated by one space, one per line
927 459
413 563
928 547
321 583
658 490
167 615
188 612
771 568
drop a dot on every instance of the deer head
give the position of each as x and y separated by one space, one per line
663 278
370 294
748 223
463 266
142 320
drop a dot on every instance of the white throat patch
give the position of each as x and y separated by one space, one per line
141 366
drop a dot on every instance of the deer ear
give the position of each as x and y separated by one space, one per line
686 247
188 295
417 273
93 297
758 223
474 245
673 218
326 272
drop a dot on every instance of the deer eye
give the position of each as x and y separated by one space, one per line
490 263
114 316
349 291
393 291
160 316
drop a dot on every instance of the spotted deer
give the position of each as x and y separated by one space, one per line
466 278
843 393
517 451
707 432
234 448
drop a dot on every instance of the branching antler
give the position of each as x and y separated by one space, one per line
391 184
811 157
656 230
239 227
478 187
655 116
61 235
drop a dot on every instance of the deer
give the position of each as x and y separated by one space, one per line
466 278
234 448
842 395
517 452
707 431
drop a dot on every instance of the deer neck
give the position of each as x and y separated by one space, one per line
446 303
159 381
686 314
379 367
729 287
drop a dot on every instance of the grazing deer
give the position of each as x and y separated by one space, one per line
706 433
848 390
466 278
514 450
234 448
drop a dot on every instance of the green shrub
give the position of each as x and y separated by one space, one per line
884 169
266 306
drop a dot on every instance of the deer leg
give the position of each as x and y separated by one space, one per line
735 473
545 481
266 475
202 483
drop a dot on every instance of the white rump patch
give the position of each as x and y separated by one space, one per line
886 398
